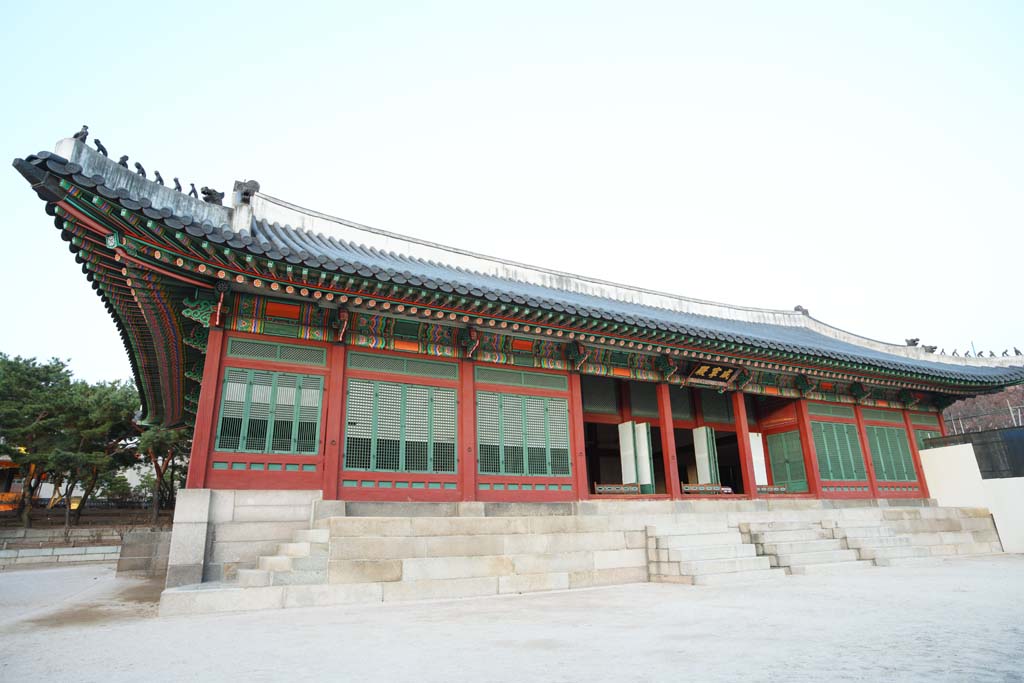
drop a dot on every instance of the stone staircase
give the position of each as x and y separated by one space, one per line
301 562
921 535
707 552
450 557
803 547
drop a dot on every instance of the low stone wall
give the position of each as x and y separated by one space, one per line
145 553
77 536
40 557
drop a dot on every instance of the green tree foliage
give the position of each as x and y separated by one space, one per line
70 432
32 397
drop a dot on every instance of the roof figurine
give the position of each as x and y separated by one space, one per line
123 161
99 146
177 185
912 342
211 196
138 169
801 309
82 135
157 178
192 192
929 349
1017 352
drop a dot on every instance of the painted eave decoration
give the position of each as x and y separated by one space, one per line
166 263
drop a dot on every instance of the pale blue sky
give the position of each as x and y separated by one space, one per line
861 159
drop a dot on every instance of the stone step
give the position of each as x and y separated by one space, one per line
790 535
761 527
472 526
692 540
209 598
685 528
751 576
918 526
801 546
364 571
299 576
402 547
878 541
312 536
274 563
706 552
311 549
819 557
893 552
862 531
313 562
830 568
440 589
908 561
253 577
736 564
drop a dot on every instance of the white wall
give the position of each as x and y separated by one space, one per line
1006 502
955 481
953 476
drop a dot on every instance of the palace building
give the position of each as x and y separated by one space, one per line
313 353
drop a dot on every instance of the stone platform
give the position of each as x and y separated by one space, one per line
343 553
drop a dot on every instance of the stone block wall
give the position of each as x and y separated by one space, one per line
145 553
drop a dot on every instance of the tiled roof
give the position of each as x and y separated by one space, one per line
800 334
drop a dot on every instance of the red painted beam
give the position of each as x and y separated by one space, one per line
333 438
739 410
206 411
668 442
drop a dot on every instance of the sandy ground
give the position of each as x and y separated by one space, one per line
962 620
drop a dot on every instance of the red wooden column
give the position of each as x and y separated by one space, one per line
909 426
869 464
668 442
335 421
577 440
206 412
803 420
942 424
739 410
467 430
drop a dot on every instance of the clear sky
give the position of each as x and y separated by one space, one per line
864 160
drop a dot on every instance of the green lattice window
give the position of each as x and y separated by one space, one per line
526 435
643 399
924 420
890 454
837 448
600 394
922 434
682 403
395 427
269 412
831 410
284 353
716 407
876 415
400 365
522 378
787 459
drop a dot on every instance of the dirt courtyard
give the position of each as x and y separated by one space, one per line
960 620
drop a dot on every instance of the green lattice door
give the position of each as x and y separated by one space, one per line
786 456
890 454
396 427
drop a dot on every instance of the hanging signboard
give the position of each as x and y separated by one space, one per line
709 373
